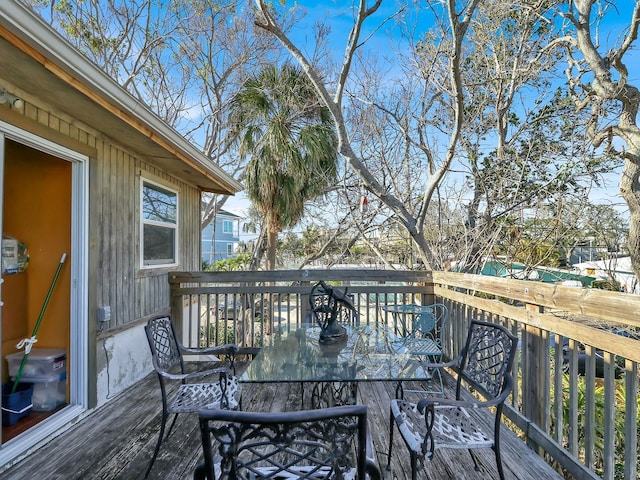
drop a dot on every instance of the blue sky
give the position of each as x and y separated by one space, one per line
339 14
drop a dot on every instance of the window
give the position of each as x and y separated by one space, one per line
159 207
227 226
229 248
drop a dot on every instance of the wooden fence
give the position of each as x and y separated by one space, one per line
577 405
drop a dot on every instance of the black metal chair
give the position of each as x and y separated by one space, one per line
485 365
222 391
306 444
424 341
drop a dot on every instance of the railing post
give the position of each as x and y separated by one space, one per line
177 307
630 420
535 371
304 302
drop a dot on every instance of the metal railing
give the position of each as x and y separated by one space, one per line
576 400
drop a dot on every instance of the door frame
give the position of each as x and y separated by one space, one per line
78 355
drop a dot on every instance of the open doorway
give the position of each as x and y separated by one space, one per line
44 202
36 217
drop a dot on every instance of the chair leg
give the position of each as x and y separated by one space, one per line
439 373
475 461
200 473
391 422
160 437
175 417
414 465
400 391
496 449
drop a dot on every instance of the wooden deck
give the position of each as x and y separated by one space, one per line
117 440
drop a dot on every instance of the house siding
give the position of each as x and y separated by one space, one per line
222 239
114 208
115 278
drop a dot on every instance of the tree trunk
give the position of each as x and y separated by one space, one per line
630 191
605 89
258 251
272 240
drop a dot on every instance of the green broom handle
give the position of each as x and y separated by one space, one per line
37 326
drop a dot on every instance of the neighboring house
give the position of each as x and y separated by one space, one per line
519 271
87 170
220 238
618 269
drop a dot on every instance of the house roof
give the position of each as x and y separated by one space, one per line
36 59
618 265
227 213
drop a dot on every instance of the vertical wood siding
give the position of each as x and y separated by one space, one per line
114 191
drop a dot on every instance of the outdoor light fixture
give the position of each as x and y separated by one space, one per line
6 97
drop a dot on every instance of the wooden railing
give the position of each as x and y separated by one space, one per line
577 404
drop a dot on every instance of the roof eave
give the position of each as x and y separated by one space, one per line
38 40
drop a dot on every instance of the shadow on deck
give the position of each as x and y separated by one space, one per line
117 440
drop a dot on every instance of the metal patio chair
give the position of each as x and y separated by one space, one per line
485 365
424 340
221 391
321 444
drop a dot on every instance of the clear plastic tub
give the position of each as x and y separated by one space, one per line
48 392
41 362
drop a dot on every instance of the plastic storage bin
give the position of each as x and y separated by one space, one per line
41 362
48 392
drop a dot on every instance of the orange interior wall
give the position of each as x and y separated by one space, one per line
36 211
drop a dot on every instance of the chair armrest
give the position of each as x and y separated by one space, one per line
451 363
248 351
492 402
196 375
227 349
427 403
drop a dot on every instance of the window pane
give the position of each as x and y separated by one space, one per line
158 204
159 245
227 226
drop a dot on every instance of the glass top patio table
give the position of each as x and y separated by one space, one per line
370 353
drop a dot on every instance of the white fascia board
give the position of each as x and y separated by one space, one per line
37 34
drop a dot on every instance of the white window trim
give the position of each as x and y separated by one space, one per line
163 186
226 222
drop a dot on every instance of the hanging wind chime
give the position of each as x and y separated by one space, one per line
364 204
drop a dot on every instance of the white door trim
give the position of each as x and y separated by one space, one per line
78 261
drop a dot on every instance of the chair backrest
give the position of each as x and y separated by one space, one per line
488 358
331 304
317 444
165 350
430 321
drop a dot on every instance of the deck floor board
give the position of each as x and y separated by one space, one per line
117 440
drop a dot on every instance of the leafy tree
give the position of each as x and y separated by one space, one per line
185 59
451 130
600 84
239 262
291 141
410 123
289 249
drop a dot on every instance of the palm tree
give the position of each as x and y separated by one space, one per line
292 142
